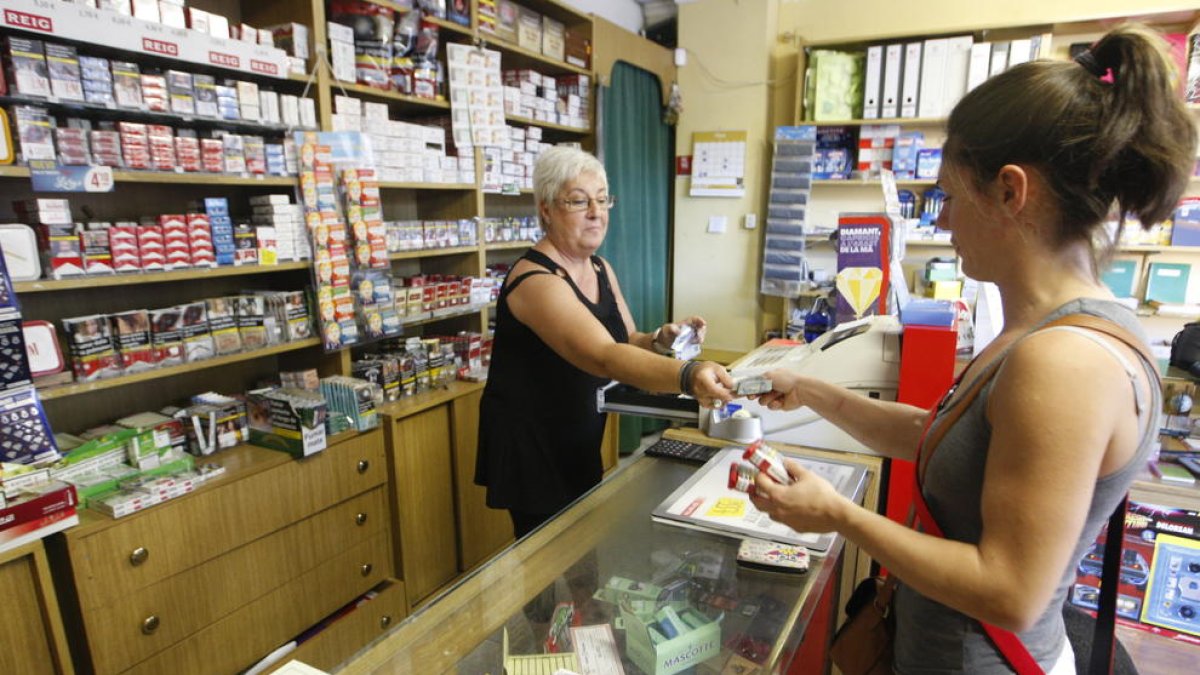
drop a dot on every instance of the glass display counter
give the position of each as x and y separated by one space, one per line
505 607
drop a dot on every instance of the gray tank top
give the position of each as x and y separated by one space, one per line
932 638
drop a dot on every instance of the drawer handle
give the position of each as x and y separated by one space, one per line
366 569
139 556
360 519
385 621
150 624
363 465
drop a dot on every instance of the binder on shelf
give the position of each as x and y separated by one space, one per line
999 58
933 69
954 81
873 82
980 62
893 63
1120 277
1019 51
1167 282
1039 46
910 85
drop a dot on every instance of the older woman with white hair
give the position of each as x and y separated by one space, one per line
563 330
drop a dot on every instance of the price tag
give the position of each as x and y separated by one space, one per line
53 177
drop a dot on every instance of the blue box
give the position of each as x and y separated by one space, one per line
1186 230
923 312
929 163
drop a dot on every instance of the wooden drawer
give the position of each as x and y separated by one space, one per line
348 635
33 641
242 638
192 529
189 601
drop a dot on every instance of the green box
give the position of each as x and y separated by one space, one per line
651 651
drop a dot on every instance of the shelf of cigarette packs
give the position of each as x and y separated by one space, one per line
408 366
111 113
171 34
386 54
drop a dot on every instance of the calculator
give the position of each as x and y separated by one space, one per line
688 452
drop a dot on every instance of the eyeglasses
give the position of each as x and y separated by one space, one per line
580 204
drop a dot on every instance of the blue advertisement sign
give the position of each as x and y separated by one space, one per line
49 176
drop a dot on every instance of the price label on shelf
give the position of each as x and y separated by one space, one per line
53 177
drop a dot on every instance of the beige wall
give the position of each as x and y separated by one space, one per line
746 43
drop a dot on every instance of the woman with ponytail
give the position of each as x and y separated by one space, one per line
1020 466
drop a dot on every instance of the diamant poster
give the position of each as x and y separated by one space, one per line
862 277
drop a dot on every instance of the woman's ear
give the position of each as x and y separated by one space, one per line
1013 183
544 214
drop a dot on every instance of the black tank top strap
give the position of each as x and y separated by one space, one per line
512 286
537 257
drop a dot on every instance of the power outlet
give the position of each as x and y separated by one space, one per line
750 221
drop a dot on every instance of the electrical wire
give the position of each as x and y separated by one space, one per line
732 84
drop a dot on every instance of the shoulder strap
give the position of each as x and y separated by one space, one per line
1007 642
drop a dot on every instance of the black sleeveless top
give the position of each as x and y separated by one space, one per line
539 431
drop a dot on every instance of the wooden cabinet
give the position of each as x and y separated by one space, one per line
441 524
212 581
422 483
33 630
482 531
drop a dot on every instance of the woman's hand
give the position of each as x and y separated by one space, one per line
711 385
809 504
665 336
787 390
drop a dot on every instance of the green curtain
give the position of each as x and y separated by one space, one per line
635 148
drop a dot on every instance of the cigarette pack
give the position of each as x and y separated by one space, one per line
35 138
127 85
25 66
131 331
93 355
197 341
166 335
62 62
223 324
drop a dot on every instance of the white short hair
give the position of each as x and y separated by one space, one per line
558 166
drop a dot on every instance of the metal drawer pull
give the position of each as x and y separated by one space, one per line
360 519
363 465
139 556
366 569
385 621
150 624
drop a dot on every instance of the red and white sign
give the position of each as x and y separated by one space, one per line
160 47
111 29
28 21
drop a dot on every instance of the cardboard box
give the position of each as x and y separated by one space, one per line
655 653
289 420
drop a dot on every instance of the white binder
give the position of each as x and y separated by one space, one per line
981 58
933 69
954 79
910 85
873 82
999 58
893 61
